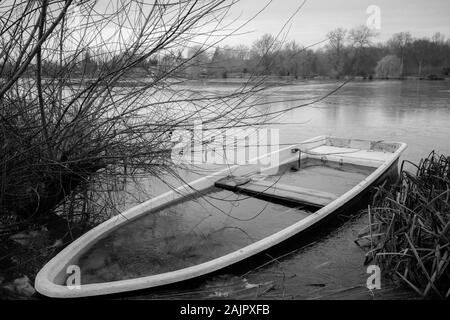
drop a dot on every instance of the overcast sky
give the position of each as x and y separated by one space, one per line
317 17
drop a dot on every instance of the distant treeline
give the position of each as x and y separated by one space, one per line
346 53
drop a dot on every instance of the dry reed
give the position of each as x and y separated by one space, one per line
409 230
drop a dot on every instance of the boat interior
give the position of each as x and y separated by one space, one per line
234 211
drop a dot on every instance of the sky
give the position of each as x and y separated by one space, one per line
317 17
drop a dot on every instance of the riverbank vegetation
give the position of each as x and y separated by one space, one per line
409 232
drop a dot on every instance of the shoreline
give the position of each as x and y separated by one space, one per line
269 81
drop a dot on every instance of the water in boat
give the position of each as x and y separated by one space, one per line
213 223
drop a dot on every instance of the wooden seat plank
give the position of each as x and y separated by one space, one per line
278 191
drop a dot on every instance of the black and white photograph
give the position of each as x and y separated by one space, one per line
224 157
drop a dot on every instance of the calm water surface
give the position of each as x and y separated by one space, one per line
330 265
415 112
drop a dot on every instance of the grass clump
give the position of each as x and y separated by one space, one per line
409 228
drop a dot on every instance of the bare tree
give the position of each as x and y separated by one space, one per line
438 38
86 97
399 43
263 52
198 62
360 39
336 48
420 49
91 93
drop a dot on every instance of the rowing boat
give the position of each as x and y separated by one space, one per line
221 219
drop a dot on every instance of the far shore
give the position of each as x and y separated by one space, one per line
260 80
268 80
271 80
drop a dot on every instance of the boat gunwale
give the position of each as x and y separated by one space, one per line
45 285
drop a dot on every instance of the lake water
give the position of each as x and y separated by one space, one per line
330 264
415 112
